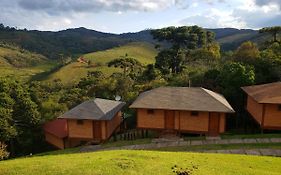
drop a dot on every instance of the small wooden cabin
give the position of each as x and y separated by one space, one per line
182 109
92 121
264 104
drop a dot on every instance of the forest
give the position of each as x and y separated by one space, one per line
191 56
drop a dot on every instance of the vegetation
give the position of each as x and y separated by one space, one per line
141 162
191 57
73 72
3 151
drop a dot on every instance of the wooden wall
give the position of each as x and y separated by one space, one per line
53 140
111 125
272 116
194 123
255 109
184 121
145 120
76 130
222 123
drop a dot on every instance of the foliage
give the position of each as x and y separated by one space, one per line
128 64
247 52
272 30
183 39
3 151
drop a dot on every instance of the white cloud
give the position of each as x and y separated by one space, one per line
214 18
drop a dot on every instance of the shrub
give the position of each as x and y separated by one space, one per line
3 151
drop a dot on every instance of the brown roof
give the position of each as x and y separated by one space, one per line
265 93
57 127
97 109
182 98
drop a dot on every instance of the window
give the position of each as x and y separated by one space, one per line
79 122
194 113
150 111
279 107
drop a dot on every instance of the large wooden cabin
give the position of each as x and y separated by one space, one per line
264 104
92 121
182 109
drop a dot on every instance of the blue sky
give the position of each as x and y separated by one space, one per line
118 16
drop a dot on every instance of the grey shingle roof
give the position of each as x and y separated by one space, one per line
97 109
265 93
183 98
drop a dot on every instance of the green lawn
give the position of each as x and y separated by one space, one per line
71 73
141 162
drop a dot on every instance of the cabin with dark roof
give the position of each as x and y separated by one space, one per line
264 104
92 121
182 109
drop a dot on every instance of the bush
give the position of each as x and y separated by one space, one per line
3 151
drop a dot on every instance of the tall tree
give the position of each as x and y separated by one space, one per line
273 31
182 40
246 52
128 64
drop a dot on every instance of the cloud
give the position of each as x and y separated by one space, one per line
214 18
93 6
268 2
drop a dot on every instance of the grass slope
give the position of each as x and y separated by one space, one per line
73 72
141 162
20 63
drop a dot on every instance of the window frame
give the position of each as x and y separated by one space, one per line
79 122
194 113
150 111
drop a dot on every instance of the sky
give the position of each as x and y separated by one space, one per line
120 16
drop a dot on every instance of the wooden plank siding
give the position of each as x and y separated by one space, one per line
183 121
54 140
93 129
76 130
272 116
255 109
268 116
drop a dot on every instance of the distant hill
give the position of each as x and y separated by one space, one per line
71 73
77 41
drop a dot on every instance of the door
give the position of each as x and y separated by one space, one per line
214 124
169 119
97 129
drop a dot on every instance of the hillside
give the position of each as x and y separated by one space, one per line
141 162
21 63
144 52
72 42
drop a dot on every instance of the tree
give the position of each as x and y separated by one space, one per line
128 64
246 52
19 117
273 31
150 73
3 151
182 40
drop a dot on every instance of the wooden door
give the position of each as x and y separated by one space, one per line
97 129
214 124
169 119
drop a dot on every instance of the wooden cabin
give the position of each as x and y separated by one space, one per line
92 121
182 109
264 104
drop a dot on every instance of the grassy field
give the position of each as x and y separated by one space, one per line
72 73
141 162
